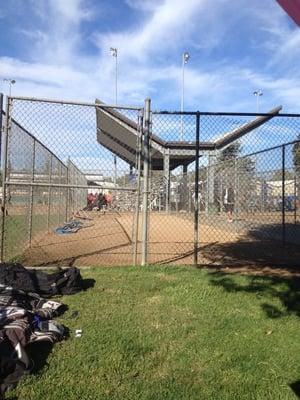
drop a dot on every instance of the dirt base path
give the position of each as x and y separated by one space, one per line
108 241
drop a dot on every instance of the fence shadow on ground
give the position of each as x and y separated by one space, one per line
277 232
286 290
256 252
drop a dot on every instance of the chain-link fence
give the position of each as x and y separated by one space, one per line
67 195
92 184
226 180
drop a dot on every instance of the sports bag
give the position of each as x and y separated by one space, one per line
68 281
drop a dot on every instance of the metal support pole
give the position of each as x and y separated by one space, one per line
185 187
60 192
68 193
196 212
115 54
167 177
206 189
146 157
1 119
115 171
295 200
4 171
283 196
137 203
73 191
49 194
31 192
189 194
211 183
176 194
182 100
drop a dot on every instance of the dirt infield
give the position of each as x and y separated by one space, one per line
105 240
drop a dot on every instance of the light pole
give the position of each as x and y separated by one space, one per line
257 94
185 59
10 82
114 53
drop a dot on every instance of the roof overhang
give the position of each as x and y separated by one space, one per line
120 135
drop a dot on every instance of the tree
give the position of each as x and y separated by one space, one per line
277 175
296 161
233 170
296 158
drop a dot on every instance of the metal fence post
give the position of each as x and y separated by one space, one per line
60 193
4 172
31 191
196 210
1 119
189 194
67 195
49 194
137 205
68 190
283 196
167 178
295 200
146 157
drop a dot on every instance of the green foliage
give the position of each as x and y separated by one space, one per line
277 176
173 333
233 170
231 152
296 156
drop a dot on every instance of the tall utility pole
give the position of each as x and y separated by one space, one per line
114 53
10 82
185 59
257 94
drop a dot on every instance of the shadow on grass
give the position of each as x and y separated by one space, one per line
295 386
39 352
88 283
286 290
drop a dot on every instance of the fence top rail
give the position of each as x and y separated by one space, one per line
226 114
271 148
74 103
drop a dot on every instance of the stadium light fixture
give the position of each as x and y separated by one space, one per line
10 82
257 94
185 59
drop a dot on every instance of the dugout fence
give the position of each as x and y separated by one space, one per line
163 177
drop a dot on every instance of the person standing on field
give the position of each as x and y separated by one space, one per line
228 201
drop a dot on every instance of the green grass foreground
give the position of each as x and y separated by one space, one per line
174 333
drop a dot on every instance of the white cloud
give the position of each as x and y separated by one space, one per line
147 67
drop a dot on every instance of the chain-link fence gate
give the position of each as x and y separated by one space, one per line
70 191
92 184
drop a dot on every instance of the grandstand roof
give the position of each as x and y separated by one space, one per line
119 134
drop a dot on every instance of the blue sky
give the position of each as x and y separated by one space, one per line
60 49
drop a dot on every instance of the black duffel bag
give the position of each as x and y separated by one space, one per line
65 281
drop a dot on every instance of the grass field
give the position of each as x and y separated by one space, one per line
174 333
17 227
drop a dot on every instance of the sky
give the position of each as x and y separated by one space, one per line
60 49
